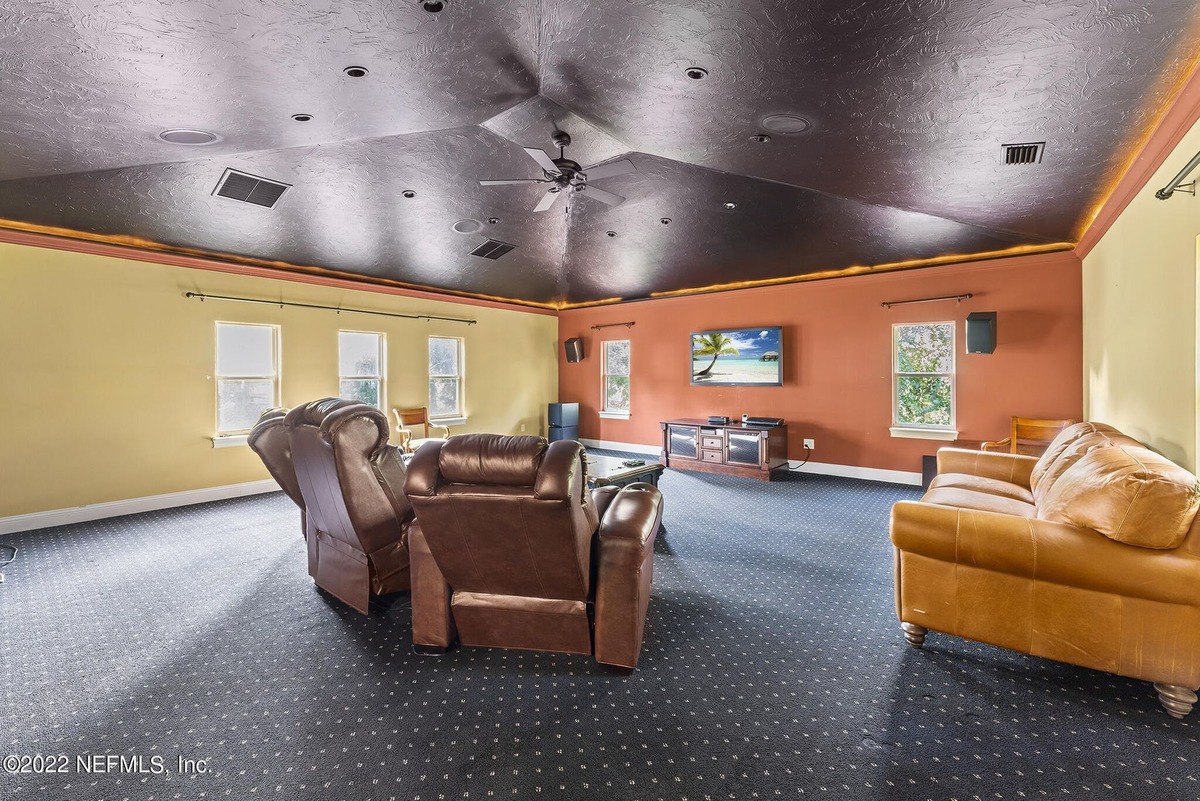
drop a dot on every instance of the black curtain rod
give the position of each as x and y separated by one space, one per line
339 309
612 325
887 304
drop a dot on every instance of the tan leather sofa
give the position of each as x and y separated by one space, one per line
332 457
1088 555
511 550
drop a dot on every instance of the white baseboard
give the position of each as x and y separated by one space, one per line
150 503
631 447
819 468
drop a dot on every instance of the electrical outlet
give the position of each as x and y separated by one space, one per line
811 444
522 428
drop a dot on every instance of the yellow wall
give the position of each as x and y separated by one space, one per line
107 371
1139 317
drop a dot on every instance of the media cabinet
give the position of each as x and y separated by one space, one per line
733 449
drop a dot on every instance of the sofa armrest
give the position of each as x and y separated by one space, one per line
1010 467
625 573
1040 550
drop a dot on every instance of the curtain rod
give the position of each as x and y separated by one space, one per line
339 309
887 304
612 325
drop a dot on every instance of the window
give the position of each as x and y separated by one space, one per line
445 377
923 376
247 374
616 378
360 367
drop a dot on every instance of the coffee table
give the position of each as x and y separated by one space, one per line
606 471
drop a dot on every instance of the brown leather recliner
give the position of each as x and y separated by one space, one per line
511 550
349 482
1089 555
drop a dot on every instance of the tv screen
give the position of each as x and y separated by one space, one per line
738 357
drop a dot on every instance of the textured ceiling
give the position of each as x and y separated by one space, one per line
909 103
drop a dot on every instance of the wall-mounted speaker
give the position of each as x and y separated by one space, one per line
981 332
574 349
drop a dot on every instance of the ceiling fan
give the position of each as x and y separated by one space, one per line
565 175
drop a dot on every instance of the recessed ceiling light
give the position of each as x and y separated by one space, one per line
730 206
433 6
787 124
356 72
301 117
408 193
610 233
665 220
762 139
188 136
467 226
493 220
696 73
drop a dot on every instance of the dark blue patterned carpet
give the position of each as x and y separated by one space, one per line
773 668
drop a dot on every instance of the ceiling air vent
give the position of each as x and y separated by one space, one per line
1026 153
249 188
492 249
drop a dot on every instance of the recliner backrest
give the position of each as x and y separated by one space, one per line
506 515
352 481
269 439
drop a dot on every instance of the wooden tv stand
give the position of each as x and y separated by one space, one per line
733 449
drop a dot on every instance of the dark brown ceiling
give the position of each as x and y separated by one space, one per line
909 100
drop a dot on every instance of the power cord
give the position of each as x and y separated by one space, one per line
8 553
807 455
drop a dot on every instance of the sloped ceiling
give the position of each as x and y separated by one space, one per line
909 104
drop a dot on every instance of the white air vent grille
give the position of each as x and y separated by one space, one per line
1025 153
248 188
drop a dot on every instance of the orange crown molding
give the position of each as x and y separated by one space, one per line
1177 119
119 247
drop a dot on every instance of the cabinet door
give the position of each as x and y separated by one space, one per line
744 448
683 441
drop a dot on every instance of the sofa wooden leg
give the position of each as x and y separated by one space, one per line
1178 701
914 634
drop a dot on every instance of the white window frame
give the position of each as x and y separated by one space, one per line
605 412
381 377
460 415
916 430
238 436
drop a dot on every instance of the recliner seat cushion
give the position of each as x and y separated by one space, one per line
1127 493
980 501
990 486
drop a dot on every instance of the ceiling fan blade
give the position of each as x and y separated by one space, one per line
544 161
618 167
602 196
510 182
547 200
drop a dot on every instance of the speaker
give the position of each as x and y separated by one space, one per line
574 349
562 414
981 332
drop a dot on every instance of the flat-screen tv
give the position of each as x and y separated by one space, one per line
738 357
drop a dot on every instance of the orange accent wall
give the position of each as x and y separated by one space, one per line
837 356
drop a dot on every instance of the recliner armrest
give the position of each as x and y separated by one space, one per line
424 476
1040 550
625 572
1010 467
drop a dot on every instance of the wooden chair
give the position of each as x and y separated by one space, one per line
1029 436
406 418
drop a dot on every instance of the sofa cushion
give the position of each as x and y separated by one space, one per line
1060 442
991 486
1128 493
980 501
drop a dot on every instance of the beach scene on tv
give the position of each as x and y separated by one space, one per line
743 356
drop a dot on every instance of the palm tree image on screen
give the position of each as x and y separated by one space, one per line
715 345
